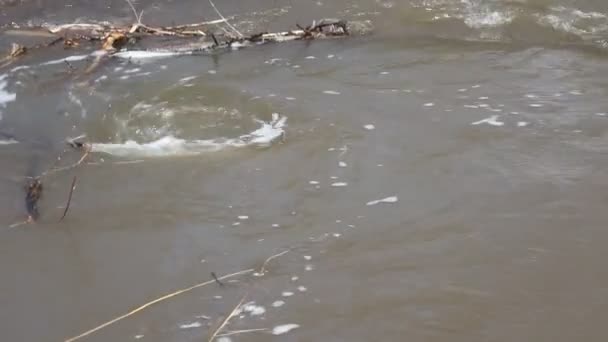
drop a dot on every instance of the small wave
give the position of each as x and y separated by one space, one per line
172 146
142 54
487 19
479 15
74 58
586 25
5 96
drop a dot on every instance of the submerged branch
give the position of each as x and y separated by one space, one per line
67 206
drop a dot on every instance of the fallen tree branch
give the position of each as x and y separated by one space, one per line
115 39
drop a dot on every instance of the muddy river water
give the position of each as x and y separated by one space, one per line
443 177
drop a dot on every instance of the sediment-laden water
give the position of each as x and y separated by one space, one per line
442 177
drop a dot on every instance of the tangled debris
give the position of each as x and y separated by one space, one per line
115 40
121 41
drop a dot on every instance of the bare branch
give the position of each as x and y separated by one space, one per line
227 23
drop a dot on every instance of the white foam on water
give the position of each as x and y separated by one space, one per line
478 15
535 105
224 339
5 96
273 60
309 267
310 57
302 289
331 92
21 67
101 78
462 90
253 310
384 73
476 86
522 124
190 325
289 98
601 114
390 199
243 217
492 120
212 72
295 278
67 59
8 142
339 184
369 127
278 303
132 71
287 294
139 54
137 337
471 106
172 146
184 79
313 182
342 164
430 104
283 329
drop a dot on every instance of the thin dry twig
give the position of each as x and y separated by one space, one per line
137 17
204 23
155 301
67 206
87 151
237 332
227 23
225 321
216 279
263 269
